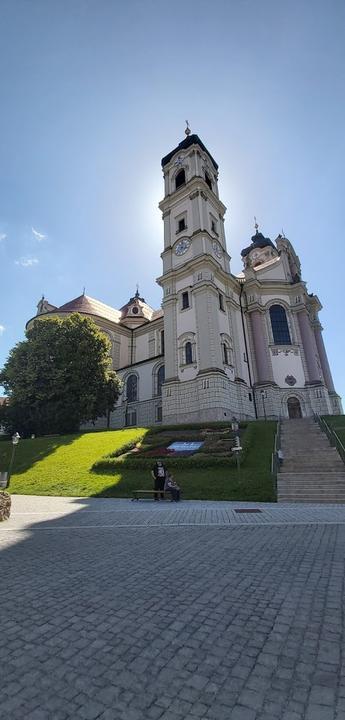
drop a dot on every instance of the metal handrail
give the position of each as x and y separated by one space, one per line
333 437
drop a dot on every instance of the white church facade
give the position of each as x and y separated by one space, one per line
222 345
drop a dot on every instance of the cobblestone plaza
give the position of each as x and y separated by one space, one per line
139 611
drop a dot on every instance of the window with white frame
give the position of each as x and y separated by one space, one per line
180 179
159 413
187 349
131 417
213 224
279 325
188 353
181 223
185 300
160 379
132 388
227 350
208 180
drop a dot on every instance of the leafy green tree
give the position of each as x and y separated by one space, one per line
58 377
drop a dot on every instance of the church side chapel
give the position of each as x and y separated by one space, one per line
222 345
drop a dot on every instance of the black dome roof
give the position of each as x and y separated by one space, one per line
258 241
186 143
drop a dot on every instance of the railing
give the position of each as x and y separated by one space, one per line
275 458
333 437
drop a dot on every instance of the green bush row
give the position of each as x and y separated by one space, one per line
197 426
114 465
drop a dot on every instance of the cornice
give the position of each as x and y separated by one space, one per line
142 362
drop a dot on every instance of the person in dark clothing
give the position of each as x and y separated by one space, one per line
159 474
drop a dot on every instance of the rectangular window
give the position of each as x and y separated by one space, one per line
250 397
214 225
221 301
181 225
185 300
159 413
162 342
131 418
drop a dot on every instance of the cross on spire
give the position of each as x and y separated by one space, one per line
256 225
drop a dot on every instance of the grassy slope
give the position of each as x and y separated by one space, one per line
61 466
337 422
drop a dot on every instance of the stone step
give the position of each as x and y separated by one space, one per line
301 450
299 468
319 501
312 476
326 482
319 463
300 438
292 492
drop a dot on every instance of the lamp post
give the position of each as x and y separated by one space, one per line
237 447
263 395
15 441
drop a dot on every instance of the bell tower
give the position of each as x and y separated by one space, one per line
196 283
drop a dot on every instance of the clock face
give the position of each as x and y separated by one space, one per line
182 246
217 249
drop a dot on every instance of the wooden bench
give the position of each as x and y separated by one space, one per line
138 493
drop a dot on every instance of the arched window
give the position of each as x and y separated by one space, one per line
208 180
280 328
160 379
188 353
227 350
180 178
132 388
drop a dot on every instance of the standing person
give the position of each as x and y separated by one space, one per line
172 487
159 473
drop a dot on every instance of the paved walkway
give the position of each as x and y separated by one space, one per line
139 611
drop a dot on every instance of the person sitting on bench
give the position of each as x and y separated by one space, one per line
172 487
159 473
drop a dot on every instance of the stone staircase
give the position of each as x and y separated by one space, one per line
312 470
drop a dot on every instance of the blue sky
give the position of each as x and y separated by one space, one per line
94 93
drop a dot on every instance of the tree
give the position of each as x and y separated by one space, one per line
58 377
110 394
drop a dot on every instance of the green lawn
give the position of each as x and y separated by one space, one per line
61 466
337 422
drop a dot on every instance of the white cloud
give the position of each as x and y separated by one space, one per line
2 329
3 236
39 236
26 262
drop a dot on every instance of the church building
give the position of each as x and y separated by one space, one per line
221 345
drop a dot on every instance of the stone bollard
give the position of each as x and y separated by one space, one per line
5 505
